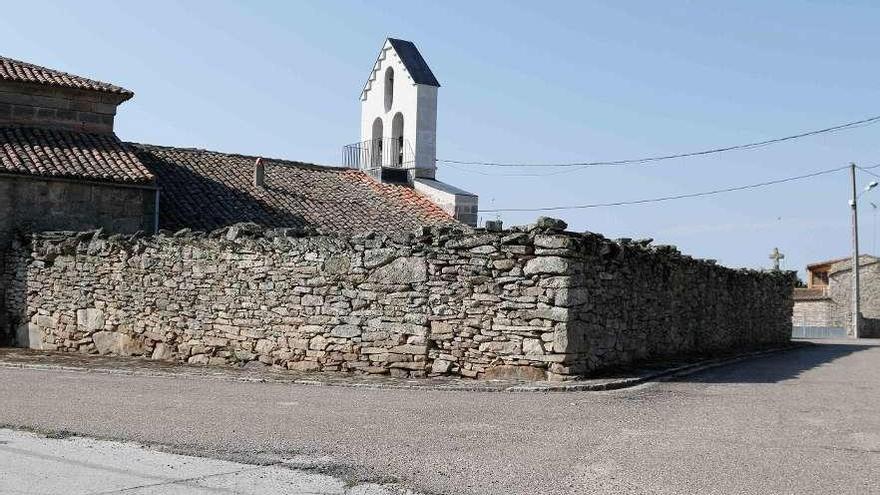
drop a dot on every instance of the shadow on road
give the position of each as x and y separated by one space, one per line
779 367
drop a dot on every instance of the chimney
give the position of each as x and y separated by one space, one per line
259 173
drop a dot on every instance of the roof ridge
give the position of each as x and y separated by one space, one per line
272 160
839 260
207 189
10 69
16 125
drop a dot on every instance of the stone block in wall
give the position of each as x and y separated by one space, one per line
346 331
507 372
532 347
30 335
162 352
117 343
501 348
551 265
401 271
90 319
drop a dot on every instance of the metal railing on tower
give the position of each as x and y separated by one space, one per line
379 153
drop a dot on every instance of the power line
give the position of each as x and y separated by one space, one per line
651 159
675 197
867 171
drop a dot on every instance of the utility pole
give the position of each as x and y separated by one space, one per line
855 255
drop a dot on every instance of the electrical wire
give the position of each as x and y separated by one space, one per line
868 171
675 197
651 159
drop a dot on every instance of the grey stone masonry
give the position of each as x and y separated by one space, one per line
39 204
56 107
840 310
814 313
34 204
534 302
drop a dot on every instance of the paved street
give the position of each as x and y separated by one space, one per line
33 463
803 421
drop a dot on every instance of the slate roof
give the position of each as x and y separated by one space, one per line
18 71
416 66
206 190
69 154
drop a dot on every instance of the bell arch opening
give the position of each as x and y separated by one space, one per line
375 160
397 140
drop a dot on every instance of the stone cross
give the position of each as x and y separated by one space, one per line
776 256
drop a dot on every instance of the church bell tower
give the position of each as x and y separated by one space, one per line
399 112
399 129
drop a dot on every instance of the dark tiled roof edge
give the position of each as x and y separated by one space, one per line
71 155
25 72
204 190
266 159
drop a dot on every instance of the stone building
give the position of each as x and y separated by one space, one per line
62 167
825 305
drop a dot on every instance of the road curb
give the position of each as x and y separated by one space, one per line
661 375
475 386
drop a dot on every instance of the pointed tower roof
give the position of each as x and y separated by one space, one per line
414 62
416 67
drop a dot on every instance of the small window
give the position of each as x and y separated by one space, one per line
389 88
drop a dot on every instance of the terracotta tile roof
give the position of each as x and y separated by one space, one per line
205 190
18 71
826 262
69 154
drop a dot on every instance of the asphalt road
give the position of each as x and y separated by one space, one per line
803 421
32 464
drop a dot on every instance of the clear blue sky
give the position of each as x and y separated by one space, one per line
523 82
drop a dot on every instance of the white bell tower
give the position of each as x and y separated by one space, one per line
399 130
399 113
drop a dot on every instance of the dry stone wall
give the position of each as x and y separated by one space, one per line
33 204
533 302
629 302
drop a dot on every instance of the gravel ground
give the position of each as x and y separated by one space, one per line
801 421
